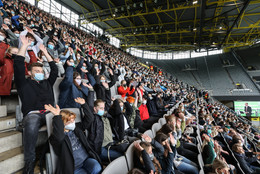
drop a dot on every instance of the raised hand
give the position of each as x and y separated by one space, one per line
5 27
80 100
110 71
25 41
137 146
43 48
29 30
147 138
89 86
172 139
53 110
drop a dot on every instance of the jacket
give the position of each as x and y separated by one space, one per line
62 146
152 107
117 123
6 71
69 91
33 95
94 124
123 92
144 114
244 162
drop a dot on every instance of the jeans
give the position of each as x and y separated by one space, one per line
112 154
187 153
90 166
32 123
187 166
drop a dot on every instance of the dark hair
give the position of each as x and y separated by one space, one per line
35 64
166 128
97 102
160 137
3 31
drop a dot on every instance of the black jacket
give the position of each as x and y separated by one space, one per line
117 123
243 161
33 95
62 146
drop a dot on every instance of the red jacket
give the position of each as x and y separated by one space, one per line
144 114
123 92
6 71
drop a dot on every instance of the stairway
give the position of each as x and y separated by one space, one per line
11 151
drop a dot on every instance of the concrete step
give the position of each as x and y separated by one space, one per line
7 122
3 110
36 170
10 140
11 160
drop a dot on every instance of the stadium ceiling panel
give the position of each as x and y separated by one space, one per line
163 25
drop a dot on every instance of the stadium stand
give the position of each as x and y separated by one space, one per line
111 114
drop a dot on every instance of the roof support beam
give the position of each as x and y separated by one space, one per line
202 16
234 23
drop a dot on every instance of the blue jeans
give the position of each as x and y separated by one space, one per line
32 123
112 154
90 166
187 166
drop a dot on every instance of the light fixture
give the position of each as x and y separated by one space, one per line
194 29
134 32
116 10
114 15
195 2
220 27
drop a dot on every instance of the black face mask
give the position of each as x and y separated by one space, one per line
124 85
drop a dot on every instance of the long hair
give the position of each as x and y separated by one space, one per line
146 146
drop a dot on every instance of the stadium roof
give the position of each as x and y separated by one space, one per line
163 25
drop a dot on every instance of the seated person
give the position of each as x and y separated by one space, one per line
72 87
98 124
244 161
67 134
34 93
123 90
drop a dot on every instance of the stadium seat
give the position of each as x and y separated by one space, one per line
162 121
129 154
118 166
149 133
53 157
201 163
56 90
155 128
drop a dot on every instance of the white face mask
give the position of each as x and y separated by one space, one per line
144 102
78 81
2 38
70 126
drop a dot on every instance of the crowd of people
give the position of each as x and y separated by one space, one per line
37 48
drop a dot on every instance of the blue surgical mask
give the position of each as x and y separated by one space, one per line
209 131
38 76
66 46
122 108
32 25
70 126
72 63
73 40
151 156
102 81
32 43
50 46
83 67
17 35
101 112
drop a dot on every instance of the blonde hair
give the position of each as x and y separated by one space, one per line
67 115
219 164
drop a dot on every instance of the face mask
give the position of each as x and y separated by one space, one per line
32 25
70 126
83 67
73 40
72 64
209 131
124 85
38 76
144 102
50 46
151 98
32 43
96 67
122 108
2 38
66 46
102 81
151 156
101 112
78 81
131 104
17 35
